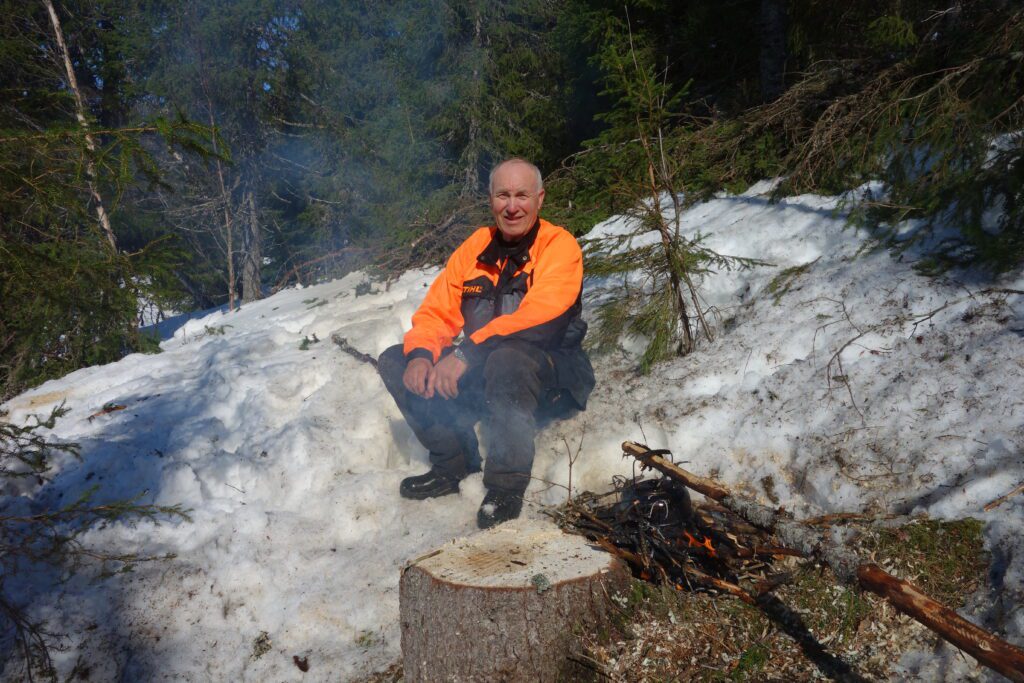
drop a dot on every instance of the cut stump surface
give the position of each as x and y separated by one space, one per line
503 605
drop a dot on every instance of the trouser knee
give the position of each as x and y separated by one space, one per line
514 376
391 367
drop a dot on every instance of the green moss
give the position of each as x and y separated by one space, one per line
829 608
947 560
367 639
751 662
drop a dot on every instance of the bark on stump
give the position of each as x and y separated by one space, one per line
503 605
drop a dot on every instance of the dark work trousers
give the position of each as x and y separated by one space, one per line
507 392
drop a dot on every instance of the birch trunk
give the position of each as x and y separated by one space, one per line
83 121
225 199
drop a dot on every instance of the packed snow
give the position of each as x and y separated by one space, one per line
839 380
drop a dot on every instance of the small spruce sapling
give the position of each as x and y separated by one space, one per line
661 300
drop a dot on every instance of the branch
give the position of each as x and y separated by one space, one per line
352 351
1002 499
989 650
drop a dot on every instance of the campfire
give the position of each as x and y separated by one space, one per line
731 544
653 525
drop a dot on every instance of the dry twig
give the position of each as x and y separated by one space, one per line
352 351
1002 499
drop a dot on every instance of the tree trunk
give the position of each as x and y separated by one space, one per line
502 605
83 121
253 256
225 198
687 343
773 49
228 237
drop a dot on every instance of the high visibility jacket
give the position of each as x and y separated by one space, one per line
491 291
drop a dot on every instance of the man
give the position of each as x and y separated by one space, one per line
513 290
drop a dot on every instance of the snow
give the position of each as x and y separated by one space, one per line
865 386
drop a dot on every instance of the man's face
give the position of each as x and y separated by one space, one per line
515 199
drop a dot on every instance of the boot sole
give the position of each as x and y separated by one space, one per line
428 493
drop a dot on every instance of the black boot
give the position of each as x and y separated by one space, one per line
498 506
433 484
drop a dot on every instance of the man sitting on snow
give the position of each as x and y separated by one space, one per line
513 290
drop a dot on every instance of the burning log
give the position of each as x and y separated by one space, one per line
989 650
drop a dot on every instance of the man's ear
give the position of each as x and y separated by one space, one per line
540 199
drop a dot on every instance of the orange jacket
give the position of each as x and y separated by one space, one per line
491 290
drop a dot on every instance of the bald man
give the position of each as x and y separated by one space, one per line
513 291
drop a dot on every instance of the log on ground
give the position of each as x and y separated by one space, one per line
504 604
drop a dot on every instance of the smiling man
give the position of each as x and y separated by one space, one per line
512 290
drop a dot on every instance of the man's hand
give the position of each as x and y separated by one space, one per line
417 373
445 377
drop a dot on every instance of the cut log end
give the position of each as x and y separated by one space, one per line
503 605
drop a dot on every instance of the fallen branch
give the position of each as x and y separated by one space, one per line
841 517
989 650
106 410
1002 499
352 351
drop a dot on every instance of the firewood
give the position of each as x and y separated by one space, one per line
988 649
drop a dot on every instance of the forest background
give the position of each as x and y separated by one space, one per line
193 154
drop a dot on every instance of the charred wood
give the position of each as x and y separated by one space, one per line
988 649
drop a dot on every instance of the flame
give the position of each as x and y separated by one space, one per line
706 544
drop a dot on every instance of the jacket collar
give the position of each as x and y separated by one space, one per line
498 248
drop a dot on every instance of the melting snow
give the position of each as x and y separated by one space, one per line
861 386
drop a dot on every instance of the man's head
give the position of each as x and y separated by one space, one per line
517 193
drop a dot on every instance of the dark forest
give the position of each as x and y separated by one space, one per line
196 154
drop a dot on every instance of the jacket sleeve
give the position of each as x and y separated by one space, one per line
439 318
548 305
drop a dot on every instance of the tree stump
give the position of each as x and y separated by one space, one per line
503 605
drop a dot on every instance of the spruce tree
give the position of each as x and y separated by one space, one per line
70 296
661 268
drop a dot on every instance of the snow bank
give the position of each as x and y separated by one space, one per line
840 380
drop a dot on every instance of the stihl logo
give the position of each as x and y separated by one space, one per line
473 289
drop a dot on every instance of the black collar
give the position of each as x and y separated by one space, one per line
499 248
